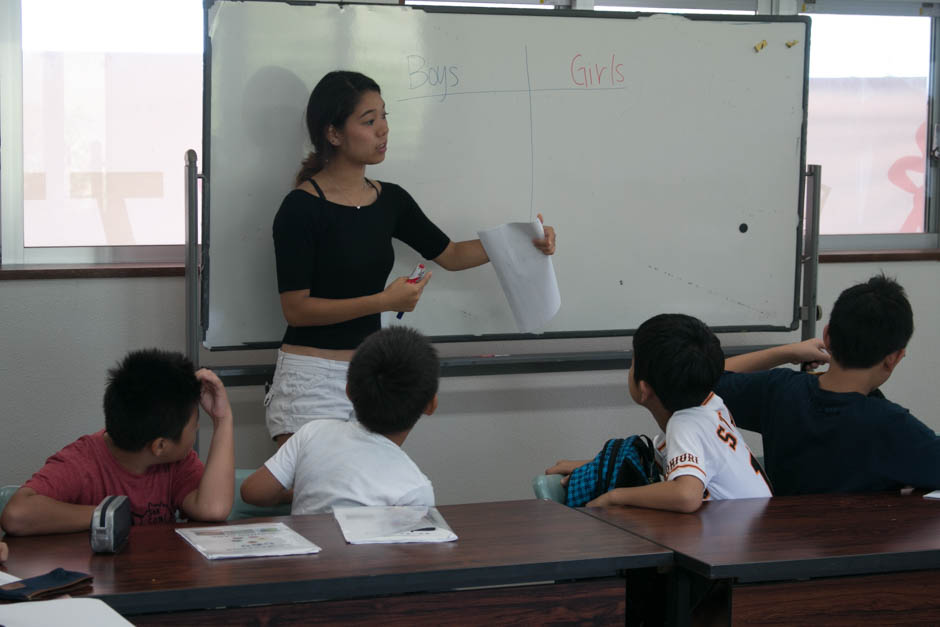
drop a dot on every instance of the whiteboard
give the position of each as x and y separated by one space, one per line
667 151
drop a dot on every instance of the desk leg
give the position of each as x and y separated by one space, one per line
647 596
679 605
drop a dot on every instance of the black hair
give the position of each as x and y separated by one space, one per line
392 377
679 358
331 102
869 321
150 394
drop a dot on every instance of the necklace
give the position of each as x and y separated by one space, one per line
366 184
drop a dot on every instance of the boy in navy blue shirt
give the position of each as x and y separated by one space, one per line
836 432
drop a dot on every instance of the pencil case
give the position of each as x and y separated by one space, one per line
111 524
53 584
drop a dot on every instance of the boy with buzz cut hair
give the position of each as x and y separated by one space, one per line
836 432
676 363
392 380
145 452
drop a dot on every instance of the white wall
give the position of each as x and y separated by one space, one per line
57 340
491 435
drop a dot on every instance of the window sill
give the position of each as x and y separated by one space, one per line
33 272
859 256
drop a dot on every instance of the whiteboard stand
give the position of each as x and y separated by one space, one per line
244 375
810 311
194 335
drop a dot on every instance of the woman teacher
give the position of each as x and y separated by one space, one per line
333 246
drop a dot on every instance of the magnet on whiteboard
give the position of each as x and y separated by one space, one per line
790 44
760 45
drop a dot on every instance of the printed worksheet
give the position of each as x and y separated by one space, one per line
256 540
393 524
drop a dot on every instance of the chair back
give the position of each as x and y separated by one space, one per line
241 509
549 487
6 492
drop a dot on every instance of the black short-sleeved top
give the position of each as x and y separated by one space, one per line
817 441
338 251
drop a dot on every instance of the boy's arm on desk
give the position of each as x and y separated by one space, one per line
682 494
30 513
812 350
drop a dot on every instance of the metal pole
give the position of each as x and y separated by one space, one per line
809 312
192 259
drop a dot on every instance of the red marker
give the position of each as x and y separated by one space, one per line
416 275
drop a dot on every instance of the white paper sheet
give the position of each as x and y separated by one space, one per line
933 495
525 273
7 578
392 525
256 540
71 612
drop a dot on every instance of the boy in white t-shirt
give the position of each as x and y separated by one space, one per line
392 380
677 361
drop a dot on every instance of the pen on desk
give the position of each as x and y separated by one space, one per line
423 529
416 275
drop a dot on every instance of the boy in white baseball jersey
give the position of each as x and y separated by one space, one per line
677 361
392 380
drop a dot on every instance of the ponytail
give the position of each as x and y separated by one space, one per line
309 166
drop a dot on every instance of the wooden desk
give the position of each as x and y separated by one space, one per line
515 542
872 559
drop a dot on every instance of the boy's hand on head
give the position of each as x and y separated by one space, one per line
547 243
214 399
4 552
812 351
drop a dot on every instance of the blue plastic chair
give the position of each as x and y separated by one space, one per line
241 509
549 487
6 492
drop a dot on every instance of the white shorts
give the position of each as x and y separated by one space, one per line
304 389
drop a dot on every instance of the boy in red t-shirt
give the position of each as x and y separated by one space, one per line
151 407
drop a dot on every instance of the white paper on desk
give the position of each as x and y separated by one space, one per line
78 612
933 495
7 578
393 524
254 540
526 274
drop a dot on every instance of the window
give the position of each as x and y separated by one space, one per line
867 121
111 100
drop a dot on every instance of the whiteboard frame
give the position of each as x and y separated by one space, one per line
205 258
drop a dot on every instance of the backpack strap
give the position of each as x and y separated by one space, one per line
615 445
